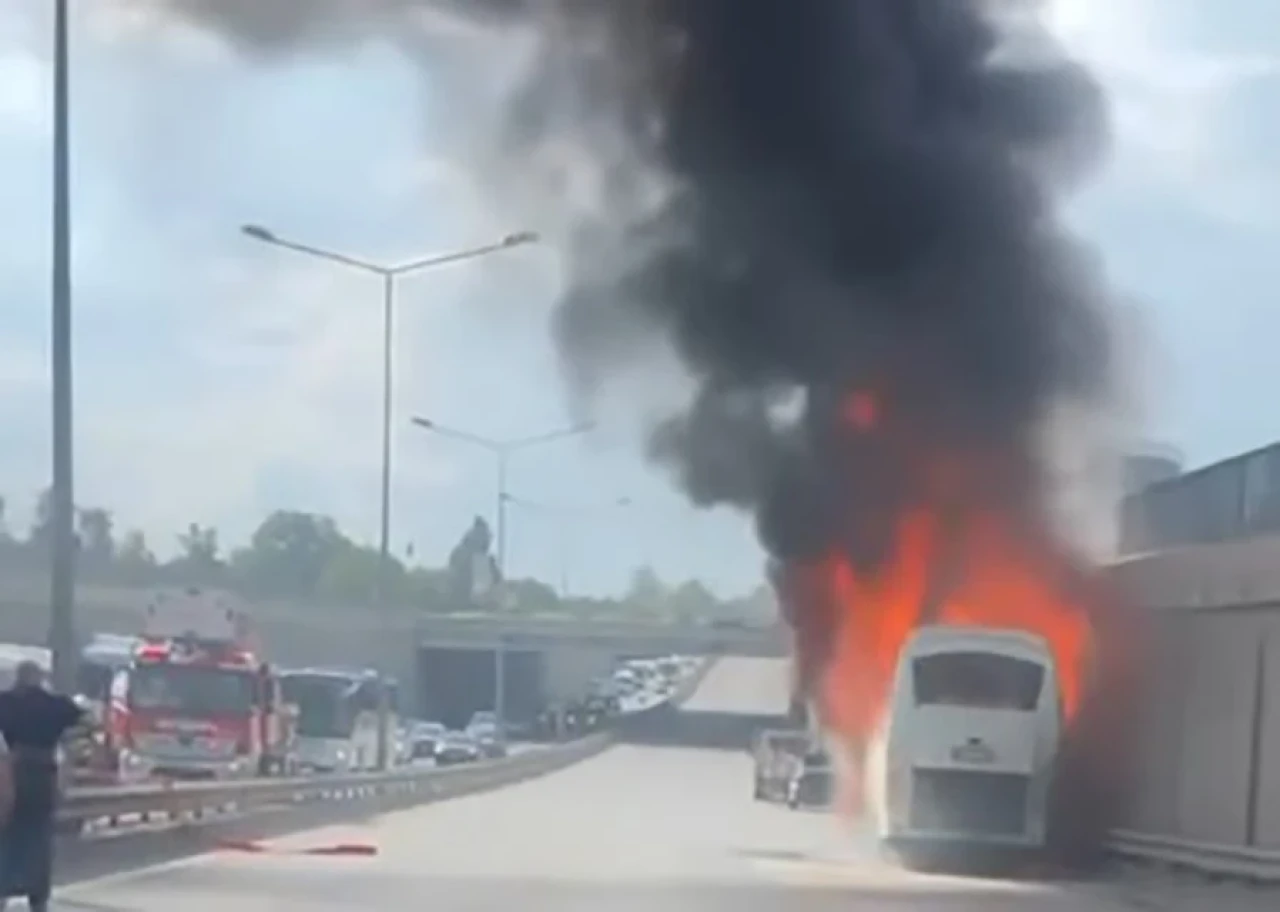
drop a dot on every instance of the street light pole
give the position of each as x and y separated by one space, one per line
502 451
384 516
388 275
62 544
503 456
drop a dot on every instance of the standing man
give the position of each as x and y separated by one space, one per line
32 721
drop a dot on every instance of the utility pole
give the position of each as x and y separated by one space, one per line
62 541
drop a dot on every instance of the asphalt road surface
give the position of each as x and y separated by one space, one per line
637 828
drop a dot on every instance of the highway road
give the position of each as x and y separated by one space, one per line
636 828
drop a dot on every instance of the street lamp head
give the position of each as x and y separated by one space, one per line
257 232
519 238
423 422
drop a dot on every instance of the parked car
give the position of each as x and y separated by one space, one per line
457 747
424 737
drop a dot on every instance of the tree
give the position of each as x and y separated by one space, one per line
290 552
427 588
351 574
199 544
530 596
691 600
472 570
647 591
134 561
10 549
41 532
200 560
97 547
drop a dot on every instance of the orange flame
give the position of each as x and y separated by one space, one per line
954 558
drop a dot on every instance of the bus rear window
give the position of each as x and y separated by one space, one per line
978 680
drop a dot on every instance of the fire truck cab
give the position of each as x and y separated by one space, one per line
196 701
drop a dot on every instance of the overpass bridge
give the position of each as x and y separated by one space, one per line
489 631
447 663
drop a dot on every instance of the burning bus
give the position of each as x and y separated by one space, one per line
970 746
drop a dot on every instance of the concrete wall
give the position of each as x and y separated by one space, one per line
454 683
1210 756
569 669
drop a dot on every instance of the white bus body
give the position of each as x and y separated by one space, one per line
338 727
968 752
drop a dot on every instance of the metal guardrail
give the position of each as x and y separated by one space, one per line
90 809
1253 864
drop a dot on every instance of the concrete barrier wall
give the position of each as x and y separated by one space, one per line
1210 746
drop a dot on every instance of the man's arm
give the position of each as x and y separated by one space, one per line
69 714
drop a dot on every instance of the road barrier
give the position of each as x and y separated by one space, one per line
1257 865
92 810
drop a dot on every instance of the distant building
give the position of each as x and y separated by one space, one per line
1233 499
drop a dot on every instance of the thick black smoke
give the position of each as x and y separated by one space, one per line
859 194
863 197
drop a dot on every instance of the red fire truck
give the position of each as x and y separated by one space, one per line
197 701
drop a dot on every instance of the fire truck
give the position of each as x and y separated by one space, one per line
196 700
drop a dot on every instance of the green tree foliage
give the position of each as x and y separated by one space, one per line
134 562
305 557
97 544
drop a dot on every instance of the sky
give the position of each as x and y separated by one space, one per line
218 379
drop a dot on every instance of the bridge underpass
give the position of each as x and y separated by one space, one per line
455 680
636 828
454 683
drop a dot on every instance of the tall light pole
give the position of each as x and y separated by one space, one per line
62 543
562 514
388 273
502 451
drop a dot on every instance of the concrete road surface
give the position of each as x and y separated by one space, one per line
637 828
748 686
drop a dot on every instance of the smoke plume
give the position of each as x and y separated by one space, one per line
856 196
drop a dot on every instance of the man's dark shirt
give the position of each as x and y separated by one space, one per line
32 721
33 718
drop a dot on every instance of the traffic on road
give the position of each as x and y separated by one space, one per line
194 696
